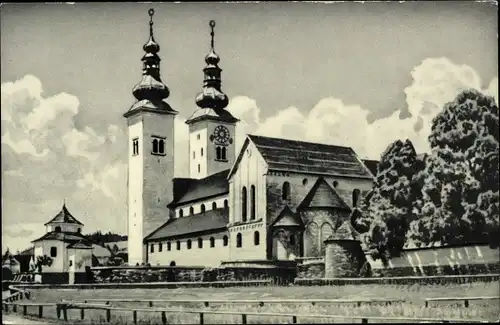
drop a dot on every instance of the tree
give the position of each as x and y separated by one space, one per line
459 201
388 212
43 261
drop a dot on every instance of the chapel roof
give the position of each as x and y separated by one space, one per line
210 220
189 189
64 216
345 232
67 237
287 218
308 157
322 195
79 245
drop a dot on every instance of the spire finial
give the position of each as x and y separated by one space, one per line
151 12
212 25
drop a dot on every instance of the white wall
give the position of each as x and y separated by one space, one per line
206 256
197 206
65 227
248 249
60 262
81 257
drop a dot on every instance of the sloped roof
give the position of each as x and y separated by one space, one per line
100 251
177 227
79 245
322 195
287 218
211 114
147 105
309 157
68 237
345 232
372 165
28 251
64 216
189 190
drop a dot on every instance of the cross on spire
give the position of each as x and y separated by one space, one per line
212 25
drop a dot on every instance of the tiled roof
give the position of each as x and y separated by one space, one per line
309 157
189 190
371 165
287 218
64 217
322 195
201 222
68 237
79 245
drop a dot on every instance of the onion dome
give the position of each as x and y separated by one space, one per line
151 87
212 95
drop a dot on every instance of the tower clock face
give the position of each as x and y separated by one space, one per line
221 134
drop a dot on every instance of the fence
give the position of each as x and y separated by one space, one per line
454 299
63 307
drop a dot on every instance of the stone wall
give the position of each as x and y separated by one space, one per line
343 258
147 274
311 268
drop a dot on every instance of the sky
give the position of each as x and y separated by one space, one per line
354 74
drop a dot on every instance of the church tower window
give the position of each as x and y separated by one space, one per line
218 153
285 193
158 146
252 202
155 146
244 204
239 242
223 154
256 238
135 147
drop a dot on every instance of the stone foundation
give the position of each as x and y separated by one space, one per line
343 258
147 274
311 268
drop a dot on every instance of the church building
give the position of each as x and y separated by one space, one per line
274 199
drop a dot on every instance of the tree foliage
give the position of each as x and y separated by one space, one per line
388 211
459 201
43 260
99 238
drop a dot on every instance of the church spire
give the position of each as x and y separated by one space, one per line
212 95
151 87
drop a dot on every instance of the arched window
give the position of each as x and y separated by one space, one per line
355 198
214 205
188 244
172 263
200 243
285 193
218 153
155 146
160 247
225 240
58 229
181 213
244 204
256 238
161 146
202 152
191 211
252 202
311 236
223 153
202 207
225 204
239 242
169 246
212 242
199 168
178 245
152 248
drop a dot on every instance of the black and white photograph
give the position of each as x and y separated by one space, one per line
250 162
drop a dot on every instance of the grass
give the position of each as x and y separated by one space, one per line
413 306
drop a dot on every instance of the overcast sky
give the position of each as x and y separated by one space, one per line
360 75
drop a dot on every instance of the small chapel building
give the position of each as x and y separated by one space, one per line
69 249
273 199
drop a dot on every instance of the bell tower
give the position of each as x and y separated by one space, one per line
151 152
211 127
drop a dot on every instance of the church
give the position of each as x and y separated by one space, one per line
273 199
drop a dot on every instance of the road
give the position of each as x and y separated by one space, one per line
8 319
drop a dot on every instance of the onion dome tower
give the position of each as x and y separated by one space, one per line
150 92
211 100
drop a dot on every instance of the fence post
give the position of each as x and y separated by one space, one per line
14 308
40 311
364 321
134 313
65 313
108 315
207 304
202 321
243 318
58 311
294 319
25 310
426 304
150 304
82 313
163 318
466 303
